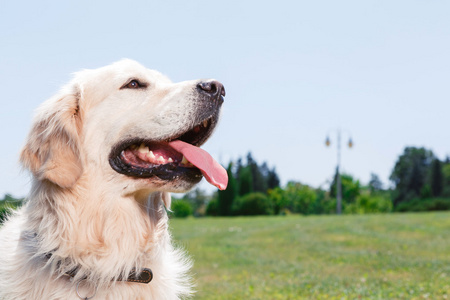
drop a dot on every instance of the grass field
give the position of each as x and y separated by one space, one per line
391 256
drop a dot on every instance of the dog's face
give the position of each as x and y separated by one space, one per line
121 122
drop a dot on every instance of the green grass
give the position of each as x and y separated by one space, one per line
390 256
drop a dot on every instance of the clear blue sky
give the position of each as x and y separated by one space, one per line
293 71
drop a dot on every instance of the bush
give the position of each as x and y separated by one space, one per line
181 208
297 198
329 206
213 208
253 204
431 204
279 200
369 204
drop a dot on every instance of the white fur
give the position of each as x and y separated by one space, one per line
85 213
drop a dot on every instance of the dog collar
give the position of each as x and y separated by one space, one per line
144 276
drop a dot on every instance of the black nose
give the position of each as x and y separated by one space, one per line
213 88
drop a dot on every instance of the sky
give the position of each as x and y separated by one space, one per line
294 72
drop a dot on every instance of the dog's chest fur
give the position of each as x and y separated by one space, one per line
25 273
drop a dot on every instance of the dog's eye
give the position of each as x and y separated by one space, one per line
134 84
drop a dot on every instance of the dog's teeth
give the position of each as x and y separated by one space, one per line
150 155
161 159
143 149
205 123
170 160
186 163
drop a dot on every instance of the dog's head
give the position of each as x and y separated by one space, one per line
129 125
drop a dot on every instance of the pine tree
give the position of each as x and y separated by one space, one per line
272 179
416 179
259 184
446 178
410 173
245 181
437 178
227 196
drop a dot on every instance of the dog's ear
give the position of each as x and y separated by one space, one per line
52 149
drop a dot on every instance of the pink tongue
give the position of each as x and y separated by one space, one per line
211 169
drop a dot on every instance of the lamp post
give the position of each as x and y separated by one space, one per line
338 175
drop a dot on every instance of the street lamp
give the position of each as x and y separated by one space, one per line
338 175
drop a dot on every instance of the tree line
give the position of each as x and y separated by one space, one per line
420 182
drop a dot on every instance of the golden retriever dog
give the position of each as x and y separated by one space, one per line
104 154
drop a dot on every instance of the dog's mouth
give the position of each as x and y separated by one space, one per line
177 157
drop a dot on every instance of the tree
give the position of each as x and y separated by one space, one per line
350 188
375 184
437 178
417 178
253 177
259 183
238 169
410 173
295 197
303 198
245 181
446 179
279 200
272 179
227 196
